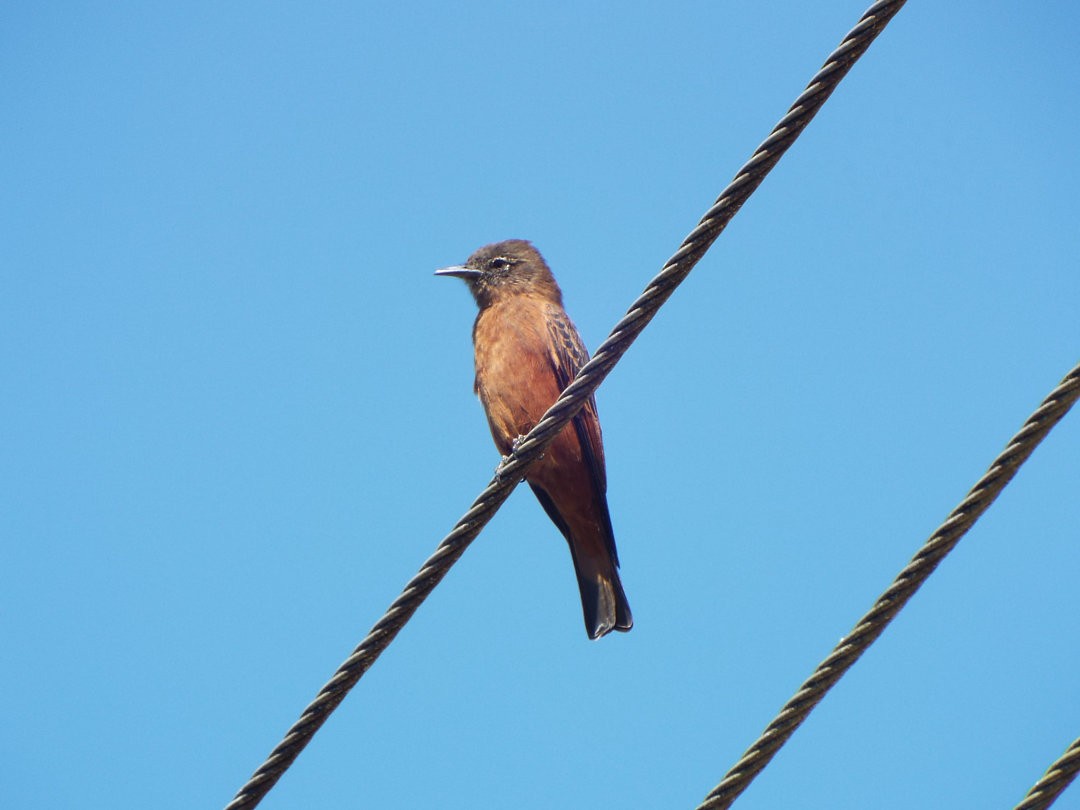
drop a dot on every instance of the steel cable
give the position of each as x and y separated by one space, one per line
1057 777
513 467
941 542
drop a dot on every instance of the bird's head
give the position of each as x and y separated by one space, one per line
504 269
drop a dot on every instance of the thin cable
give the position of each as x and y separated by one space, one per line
870 626
1057 777
514 466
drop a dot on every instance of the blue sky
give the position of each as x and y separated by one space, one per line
238 410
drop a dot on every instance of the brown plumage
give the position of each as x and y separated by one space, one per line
527 351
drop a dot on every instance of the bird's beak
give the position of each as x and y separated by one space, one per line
459 271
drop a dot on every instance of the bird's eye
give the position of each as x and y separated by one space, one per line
498 263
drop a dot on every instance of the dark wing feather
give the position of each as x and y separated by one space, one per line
552 511
568 356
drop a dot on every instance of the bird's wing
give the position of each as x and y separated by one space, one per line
568 356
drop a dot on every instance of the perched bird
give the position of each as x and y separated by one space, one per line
527 351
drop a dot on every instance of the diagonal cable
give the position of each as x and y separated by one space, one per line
1057 777
870 626
513 468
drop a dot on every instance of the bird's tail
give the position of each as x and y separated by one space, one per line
603 601
592 547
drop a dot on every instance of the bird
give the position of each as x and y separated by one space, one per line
526 351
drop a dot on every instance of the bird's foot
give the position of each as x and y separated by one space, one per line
514 447
500 472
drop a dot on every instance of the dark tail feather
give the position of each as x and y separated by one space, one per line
603 601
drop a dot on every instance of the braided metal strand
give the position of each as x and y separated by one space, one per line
870 626
1057 777
511 470
678 267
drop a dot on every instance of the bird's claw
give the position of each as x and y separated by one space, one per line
500 474
514 447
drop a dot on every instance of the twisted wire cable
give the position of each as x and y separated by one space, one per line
870 626
1057 777
513 467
